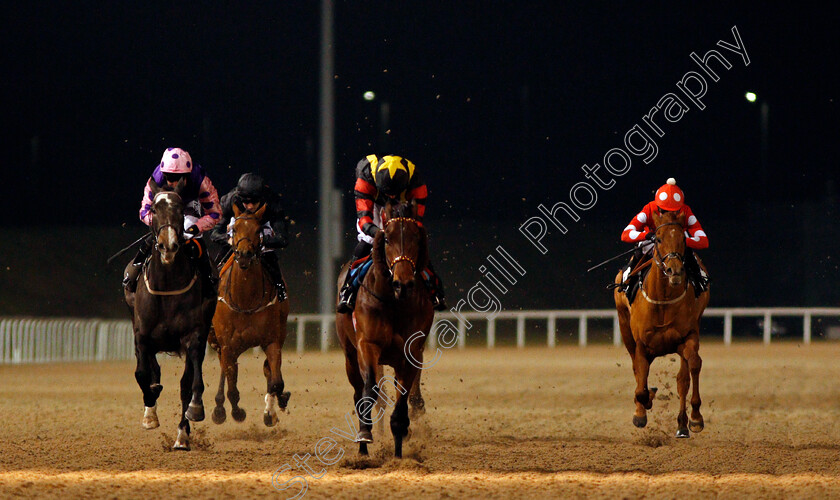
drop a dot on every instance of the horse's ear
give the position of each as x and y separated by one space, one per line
385 213
681 218
179 187
378 252
413 208
154 187
236 211
655 217
259 213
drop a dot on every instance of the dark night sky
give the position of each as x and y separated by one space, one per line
494 102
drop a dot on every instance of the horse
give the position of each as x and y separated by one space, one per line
170 312
248 315
392 307
665 319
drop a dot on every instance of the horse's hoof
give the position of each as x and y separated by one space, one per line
238 414
219 415
695 426
194 413
640 421
269 419
182 442
150 418
683 433
283 400
364 436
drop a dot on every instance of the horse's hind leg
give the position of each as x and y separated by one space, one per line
641 368
368 358
275 398
682 388
182 442
144 375
691 355
351 365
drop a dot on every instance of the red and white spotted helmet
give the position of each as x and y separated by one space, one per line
176 161
669 196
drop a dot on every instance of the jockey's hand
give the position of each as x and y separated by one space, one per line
193 230
650 236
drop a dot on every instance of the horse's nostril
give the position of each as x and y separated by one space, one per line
409 285
396 285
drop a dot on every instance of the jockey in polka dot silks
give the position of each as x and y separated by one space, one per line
379 180
201 213
669 198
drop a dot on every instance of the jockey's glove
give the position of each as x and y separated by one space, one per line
193 230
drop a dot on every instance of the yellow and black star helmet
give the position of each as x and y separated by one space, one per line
391 174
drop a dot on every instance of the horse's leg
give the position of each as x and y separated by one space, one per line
415 397
641 368
368 356
231 370
144 374
156 387
682 387
182 442
400 421
195 357
351 365
690 353
275 398
219 414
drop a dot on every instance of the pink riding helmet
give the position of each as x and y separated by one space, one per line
176 161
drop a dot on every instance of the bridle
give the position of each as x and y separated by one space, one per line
658 259
237 255
401 257
155 231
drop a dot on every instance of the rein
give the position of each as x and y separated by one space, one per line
156 233
659 260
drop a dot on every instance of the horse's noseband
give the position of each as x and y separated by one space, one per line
401 257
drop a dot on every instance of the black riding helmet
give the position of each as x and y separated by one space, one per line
392 175
251 188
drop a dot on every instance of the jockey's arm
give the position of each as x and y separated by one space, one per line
365 192
146 204
219 234
419 195
637 229
210 207
695 236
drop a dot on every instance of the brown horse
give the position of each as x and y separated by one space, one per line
665 319
170 312
393 306
248 315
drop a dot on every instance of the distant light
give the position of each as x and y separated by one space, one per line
750 96
369 95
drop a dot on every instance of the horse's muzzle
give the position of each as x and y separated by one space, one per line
402 290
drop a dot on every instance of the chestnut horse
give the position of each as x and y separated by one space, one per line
392 306
665 319
170 312
249 315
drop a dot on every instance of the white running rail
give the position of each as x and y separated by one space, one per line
47 340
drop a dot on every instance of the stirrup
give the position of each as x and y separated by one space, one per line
439 303
346 299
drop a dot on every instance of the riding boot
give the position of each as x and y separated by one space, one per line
694 272
271 264
629 281
132 272
347 294
436 286
206 269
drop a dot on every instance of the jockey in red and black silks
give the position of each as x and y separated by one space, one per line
669 198
379 180
201 211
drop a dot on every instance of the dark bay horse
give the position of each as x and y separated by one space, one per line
248 315
170 313
393 304
665 319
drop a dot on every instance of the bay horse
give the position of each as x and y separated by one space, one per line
248 315
665 319
393 304
170 312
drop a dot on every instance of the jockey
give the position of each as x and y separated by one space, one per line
669 198
250 193
379 180
201 213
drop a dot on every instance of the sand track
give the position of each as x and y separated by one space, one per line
503 423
